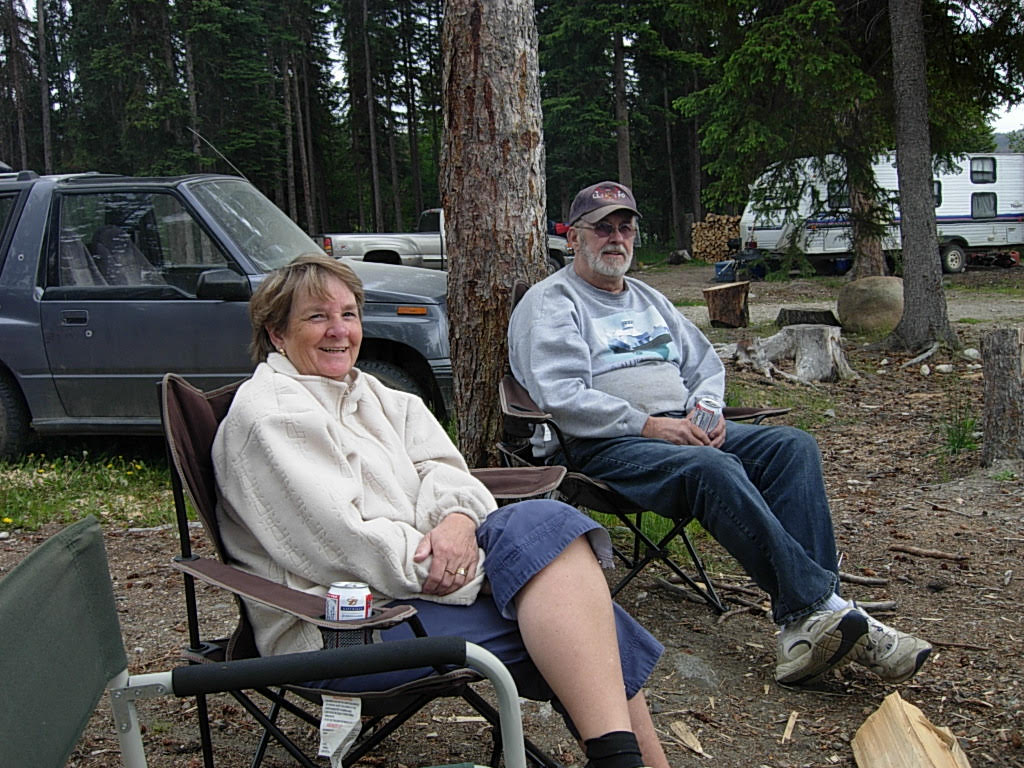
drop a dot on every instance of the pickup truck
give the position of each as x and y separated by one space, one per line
107 282
423 248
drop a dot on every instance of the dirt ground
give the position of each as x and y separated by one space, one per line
943 532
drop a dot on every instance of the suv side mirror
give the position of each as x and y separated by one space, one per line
223 284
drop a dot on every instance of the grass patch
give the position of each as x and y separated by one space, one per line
689 303
809 405
960 424
1005 476
970 321
73 479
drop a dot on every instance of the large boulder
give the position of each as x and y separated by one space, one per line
871 304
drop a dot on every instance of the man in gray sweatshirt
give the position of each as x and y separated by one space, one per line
620 370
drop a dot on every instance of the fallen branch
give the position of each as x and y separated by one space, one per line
735 612
923 356
882 606
965 646
870 581
926 552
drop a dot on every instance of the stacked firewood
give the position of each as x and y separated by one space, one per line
710 237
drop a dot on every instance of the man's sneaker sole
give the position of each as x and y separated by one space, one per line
832 650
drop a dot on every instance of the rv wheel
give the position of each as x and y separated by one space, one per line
954 259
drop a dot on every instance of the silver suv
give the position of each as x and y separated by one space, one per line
107 282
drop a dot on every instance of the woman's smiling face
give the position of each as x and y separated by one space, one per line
323 334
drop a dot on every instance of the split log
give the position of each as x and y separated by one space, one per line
711 237
1002 354
898 735
727 305
815 350
795 316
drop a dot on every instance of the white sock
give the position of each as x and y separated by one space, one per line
835 603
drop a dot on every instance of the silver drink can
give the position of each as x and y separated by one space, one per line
347 600
706 413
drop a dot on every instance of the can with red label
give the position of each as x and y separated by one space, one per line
706 413
347 600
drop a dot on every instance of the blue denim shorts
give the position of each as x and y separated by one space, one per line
520 540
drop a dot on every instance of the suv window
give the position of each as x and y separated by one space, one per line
7 202
132 239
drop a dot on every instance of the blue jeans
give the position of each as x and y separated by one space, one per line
761 496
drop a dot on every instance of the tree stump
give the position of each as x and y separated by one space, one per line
1002 354
799 316
727 305
815 350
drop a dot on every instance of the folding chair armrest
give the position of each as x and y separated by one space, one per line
520 482
756 415
270 671
516 402
309 608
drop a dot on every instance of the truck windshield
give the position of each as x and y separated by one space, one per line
259 228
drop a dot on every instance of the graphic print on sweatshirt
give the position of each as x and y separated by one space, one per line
634 337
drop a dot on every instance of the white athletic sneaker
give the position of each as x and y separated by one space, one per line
892 655
823 640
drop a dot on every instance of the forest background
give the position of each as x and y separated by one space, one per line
334 109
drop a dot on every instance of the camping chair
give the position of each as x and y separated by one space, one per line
190 419
521 416
62 646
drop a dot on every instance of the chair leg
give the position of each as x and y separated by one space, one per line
279 736
660 551
205 739
534 754
261 748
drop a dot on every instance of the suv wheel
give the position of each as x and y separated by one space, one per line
392 376
13 419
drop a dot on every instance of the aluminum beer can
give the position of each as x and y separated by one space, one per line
347 600
706 413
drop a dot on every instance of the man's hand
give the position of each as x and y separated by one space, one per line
452 545
683 431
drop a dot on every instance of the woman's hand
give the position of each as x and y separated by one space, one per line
452 545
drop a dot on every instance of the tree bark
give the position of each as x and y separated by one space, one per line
493 192
925 316
1002 353
44 86
371 125
622 113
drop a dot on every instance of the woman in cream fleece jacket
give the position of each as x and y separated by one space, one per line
324 474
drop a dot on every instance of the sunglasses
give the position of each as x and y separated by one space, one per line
605 229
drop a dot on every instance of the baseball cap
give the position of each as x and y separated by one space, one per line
598 200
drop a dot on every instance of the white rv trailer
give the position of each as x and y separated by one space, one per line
979 214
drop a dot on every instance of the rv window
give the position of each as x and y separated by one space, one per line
838 195
983 170
983 205
937 192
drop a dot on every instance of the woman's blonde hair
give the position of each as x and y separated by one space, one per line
271 304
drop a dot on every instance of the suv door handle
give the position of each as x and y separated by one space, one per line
74 317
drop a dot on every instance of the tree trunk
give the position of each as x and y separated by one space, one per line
301 129
193 102
869 261
1002 353
493 192
18 79
925 316
677 222
289 142
371 125
622 113
44 86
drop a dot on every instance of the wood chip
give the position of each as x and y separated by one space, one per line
688 738
788 733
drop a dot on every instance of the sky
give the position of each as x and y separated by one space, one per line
1011 120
